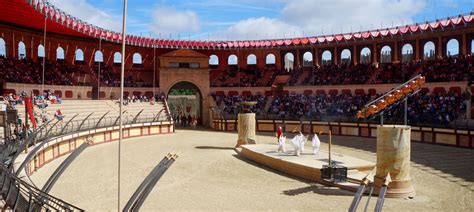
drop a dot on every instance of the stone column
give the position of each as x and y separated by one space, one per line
393 157
417 49
246 129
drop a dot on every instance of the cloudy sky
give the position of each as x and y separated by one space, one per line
257 19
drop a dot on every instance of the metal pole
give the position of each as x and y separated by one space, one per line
122 71
44 56
406 111
98 70
381 118
154 70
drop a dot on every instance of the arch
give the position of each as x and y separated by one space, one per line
137 58
251 59
79 55
41 50
232 60
289 61
59 53
327 57
270 59
214 60
117 58
21 50
407 53
346 56
452 47
3 48
386 54
180 103
98 56
307 59
472 46
429 50
365 55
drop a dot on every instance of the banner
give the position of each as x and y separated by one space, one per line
29 110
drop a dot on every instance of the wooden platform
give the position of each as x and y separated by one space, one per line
307 165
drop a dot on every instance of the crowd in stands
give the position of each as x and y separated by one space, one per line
449 69
437 70
396 72
230 104
29 71
61 73
433 108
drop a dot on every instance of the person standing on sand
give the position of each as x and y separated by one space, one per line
279 133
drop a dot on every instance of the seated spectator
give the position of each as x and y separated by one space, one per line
58 115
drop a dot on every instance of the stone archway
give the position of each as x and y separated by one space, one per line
198 77
185 99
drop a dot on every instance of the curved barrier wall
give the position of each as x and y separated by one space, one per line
451 137
59 146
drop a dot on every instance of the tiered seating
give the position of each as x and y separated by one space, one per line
69 108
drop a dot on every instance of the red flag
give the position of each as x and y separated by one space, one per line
29 110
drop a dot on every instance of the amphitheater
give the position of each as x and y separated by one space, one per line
68 142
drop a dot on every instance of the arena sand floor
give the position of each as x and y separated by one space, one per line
209 176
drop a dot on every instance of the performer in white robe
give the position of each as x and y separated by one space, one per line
281 144
316 143
303 140
296 142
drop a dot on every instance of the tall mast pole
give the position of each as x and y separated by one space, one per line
122 71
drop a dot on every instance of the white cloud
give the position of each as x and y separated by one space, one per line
326 17
86 12
255 28
333 15
168 20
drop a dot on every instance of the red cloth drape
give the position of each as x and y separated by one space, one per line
29 110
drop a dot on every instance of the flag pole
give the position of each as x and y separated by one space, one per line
98 70
44 56
122 71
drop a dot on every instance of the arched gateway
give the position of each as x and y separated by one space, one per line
184 77
185 100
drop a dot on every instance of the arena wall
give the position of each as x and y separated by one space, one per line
62 145
450 137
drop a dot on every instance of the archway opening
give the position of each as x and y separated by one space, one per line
3 49
185 103
452 48
289 61
365 55
407 53
270 59
21 50
251 59
327 57
307 59
429 50
59 53
346 56
386 54
214 60
79 55
41 51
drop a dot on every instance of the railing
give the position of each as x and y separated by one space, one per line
22 196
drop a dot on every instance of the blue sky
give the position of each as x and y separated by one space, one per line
256 19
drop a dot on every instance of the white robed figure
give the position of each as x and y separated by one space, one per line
296 143
303 140
316 144
281 144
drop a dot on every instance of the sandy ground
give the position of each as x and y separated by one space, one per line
209 176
